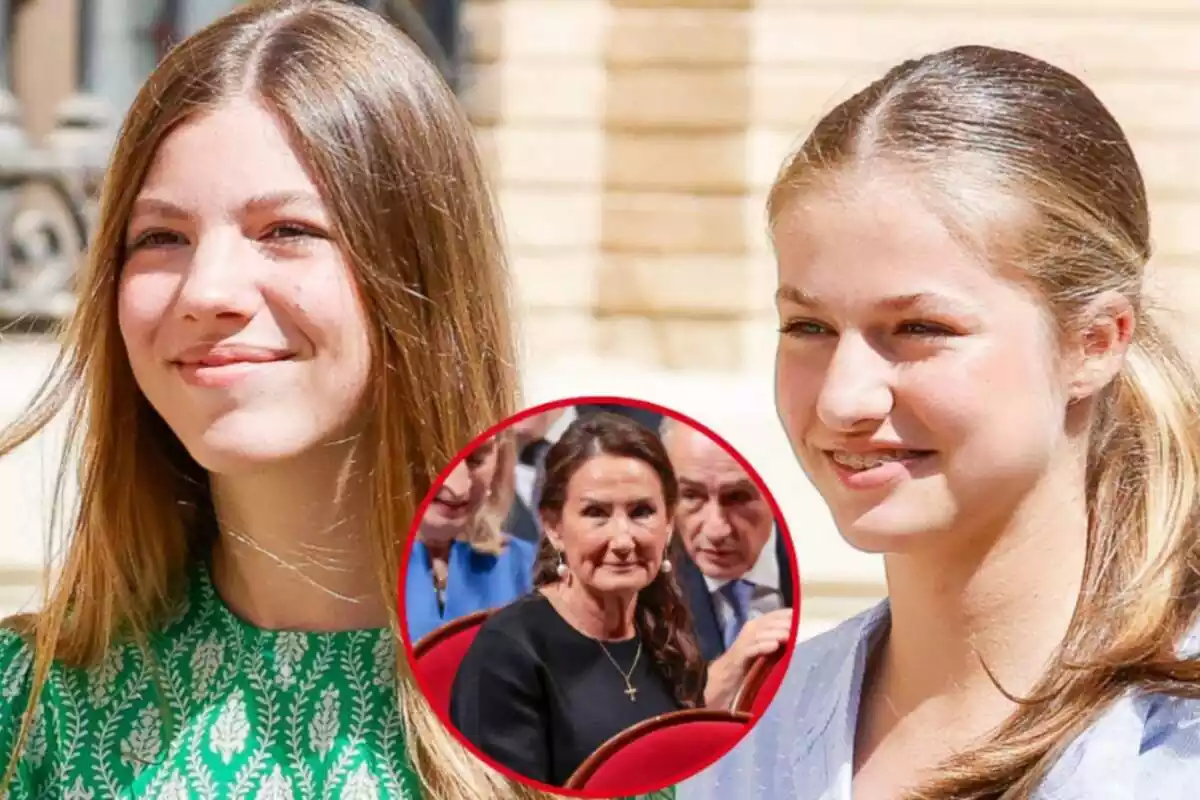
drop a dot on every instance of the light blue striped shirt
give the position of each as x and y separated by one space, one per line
1143 747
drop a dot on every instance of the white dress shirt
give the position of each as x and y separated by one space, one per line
765 578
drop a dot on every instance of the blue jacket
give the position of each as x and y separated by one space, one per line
476 581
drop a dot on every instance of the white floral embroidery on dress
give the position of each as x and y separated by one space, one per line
206 662
289 649
276 787
323 729
175 788
228 735
16 676
140 748
361 785
383 656
102 679
35 750
78 791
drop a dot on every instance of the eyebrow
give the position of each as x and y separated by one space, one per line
740 485
792 294
586 499
262 202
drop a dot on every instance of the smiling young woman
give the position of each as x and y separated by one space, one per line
293 314
969 373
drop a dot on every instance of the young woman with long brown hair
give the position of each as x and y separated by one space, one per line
292 315
969 373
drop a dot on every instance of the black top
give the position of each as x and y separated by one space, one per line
539 697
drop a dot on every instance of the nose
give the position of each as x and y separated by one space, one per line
715 522
622 535
458 482
856 391
218 286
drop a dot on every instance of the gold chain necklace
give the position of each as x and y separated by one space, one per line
630 690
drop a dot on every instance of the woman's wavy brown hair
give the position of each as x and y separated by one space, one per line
983 130
395 161
663 621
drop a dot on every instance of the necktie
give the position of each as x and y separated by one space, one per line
737 593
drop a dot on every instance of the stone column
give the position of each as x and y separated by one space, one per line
536 92
83 132
673 285
12 134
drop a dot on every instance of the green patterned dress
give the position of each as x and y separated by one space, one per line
221 711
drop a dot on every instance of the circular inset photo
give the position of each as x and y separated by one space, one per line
600 597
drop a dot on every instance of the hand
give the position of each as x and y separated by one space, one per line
761 636
758 637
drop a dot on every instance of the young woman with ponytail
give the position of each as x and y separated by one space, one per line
969 372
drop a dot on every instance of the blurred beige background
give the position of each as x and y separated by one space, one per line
632 143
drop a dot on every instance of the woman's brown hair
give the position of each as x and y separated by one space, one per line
394 159
663 620
989 135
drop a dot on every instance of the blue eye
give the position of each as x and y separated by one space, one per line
292 231
157 238
803 327
924 329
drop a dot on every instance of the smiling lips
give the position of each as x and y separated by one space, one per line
220 366
875 468
451 508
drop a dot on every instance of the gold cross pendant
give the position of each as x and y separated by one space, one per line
632 692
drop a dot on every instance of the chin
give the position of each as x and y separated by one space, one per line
721 572
890 530
229 449
622 585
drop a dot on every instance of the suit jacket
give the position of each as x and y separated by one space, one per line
705 621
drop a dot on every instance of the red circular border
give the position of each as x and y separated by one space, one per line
550 406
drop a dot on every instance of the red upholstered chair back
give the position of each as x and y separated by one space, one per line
436 657
660 751
761 683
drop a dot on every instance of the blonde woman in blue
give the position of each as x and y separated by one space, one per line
969 372
462 560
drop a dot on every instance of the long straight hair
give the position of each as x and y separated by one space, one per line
980 128
395 162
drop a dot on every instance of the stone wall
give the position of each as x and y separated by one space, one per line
633 142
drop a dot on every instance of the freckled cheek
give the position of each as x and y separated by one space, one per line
797 387
984 402
143 307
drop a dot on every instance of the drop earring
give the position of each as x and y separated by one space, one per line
561 569
666 565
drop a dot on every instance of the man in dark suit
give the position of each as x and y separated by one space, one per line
733 564
535 435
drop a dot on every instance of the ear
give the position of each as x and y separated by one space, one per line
1099 344
550 528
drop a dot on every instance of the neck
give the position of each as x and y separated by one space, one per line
595 614
293 552
1003 606
436 546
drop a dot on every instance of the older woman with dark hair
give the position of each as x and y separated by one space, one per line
605 641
